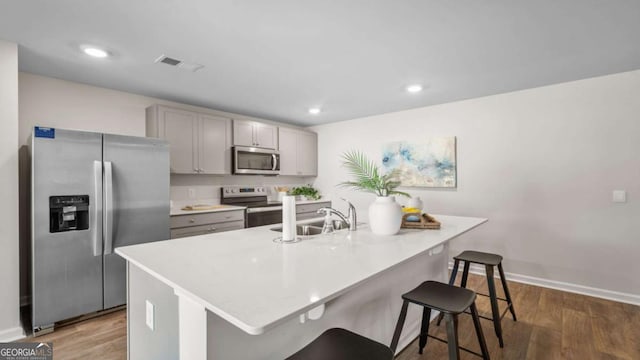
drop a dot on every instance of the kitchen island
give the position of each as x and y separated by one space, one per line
239 295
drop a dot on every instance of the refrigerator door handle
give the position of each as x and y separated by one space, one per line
108 208
97 208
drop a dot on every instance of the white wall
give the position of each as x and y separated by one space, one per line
10 328
541 164
58 103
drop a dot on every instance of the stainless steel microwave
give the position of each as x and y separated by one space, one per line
255 161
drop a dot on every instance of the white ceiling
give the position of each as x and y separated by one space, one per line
275 59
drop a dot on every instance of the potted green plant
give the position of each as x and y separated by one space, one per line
306 191
385 214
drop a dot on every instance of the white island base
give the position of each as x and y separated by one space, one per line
254 299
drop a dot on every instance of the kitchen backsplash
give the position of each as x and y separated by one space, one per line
188 189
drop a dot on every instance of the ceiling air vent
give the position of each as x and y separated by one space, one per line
193 67
169 61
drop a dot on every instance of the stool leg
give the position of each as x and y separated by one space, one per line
452 335
454 272
452 280
399 325
465 274
506 292
479 333
494 303
424 328
440 316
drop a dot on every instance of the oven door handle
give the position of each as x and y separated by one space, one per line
263 209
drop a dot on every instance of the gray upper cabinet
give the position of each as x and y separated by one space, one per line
199 143
298 152
288 154
251 133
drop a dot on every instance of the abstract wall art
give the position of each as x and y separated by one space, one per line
428 163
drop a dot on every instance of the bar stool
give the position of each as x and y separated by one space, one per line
341 344
489 261
450 301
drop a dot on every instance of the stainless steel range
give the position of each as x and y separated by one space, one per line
260 211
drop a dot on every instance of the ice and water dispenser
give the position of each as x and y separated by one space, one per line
68 213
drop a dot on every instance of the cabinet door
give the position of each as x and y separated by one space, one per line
243 133
180 128
307 148
214 148
266 136
288 151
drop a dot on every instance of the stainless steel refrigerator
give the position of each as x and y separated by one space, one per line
91 193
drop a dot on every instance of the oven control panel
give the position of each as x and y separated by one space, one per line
242 191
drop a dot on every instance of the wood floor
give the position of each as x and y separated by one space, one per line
551 325
101 338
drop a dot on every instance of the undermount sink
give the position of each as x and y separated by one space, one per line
337 224
315 228
303 230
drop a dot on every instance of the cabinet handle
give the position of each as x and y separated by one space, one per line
213 228
192 220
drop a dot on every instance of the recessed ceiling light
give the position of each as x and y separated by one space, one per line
414 88
95 52
314 111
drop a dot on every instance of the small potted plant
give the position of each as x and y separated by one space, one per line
385 214
306 192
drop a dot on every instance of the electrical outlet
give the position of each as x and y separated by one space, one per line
619 196
150 318
192 193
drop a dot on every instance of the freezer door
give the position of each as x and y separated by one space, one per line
66 233
136 197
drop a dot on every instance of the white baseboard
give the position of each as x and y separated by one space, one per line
11 334
559 285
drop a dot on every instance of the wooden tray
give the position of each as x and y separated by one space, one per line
426 222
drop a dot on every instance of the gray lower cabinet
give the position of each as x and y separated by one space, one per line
206 223
310 211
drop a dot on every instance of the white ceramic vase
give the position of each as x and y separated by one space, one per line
385 216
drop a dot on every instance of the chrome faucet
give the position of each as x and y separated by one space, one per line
350 219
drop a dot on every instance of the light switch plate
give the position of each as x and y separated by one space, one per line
150 318
619 196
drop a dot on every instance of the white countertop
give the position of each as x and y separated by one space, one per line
304 202
177 211
256 284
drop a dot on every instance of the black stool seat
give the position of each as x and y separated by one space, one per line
441 297
479 257
451 301
341 344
